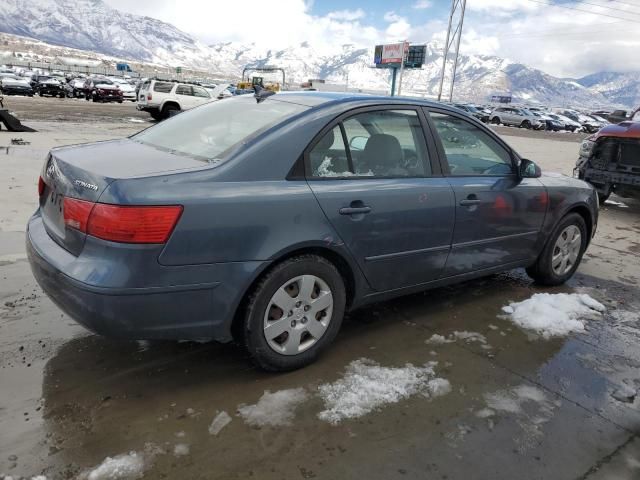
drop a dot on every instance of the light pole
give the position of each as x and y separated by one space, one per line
458 8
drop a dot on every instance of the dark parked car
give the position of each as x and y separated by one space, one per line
13 85
47 85
102 90
265 221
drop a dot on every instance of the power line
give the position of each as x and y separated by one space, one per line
584 11
624 10
560 31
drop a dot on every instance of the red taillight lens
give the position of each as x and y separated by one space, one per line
76 213
41 186
149 97
133 224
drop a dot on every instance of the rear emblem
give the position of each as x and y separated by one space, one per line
52 169
82 184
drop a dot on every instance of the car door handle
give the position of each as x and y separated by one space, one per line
354 210
469 202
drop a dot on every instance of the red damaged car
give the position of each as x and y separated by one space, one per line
610 160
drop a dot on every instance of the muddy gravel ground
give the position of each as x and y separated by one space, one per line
492 401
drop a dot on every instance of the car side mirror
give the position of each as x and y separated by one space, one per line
529 169
358 143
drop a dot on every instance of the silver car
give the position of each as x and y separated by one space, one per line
517 117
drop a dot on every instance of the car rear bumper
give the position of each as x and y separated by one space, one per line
9 90
174 311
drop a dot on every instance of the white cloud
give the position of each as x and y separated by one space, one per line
422 4
347 15
391 17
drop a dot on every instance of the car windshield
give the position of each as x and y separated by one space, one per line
212 131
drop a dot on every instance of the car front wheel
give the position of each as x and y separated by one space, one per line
561 256
294 313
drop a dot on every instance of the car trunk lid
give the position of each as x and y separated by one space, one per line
84 172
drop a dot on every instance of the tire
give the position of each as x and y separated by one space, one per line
167 109
603 197
40 93
156 115
495 121
278 354
543 271
526 124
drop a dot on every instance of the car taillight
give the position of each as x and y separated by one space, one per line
149 98
41 186
133 224
122 223
76 213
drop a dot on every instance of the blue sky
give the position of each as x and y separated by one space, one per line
562 37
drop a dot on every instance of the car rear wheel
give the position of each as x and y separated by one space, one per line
561 256
168 110
495 121
294 313
526 124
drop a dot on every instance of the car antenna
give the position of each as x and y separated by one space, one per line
262 93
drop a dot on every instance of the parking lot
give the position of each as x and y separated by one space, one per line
519 405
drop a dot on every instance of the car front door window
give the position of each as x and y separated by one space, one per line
469 150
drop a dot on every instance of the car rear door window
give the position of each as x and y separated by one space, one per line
200 92
163 87
379 144
469 150
184 90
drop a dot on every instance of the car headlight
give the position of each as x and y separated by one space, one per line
586 147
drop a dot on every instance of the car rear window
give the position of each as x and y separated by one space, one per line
163 87
214 130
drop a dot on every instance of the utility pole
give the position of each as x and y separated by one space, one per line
405 47
458 8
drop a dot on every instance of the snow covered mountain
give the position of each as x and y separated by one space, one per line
94 26
622 88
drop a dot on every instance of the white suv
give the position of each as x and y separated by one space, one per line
162 98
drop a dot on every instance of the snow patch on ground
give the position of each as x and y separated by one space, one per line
273 409
366 386
221 420
554 315
467 337
181 449
125 466
529 405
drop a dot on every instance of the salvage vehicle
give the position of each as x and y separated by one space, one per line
568 124
101 89
75 88
162 99
610 160
265 218
623 115
517 117
48 85
128 90
12 85
473 111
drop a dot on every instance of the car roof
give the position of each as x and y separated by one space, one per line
316 98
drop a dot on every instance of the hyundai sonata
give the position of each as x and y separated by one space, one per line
265 219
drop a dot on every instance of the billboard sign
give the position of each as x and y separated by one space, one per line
392 53
501 98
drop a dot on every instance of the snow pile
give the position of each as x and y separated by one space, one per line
273 409
554 315
221 420
367 386
181 449
467 337
126 466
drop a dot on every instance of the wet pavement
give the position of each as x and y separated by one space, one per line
519 407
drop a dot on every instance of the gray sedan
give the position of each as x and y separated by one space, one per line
265 219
